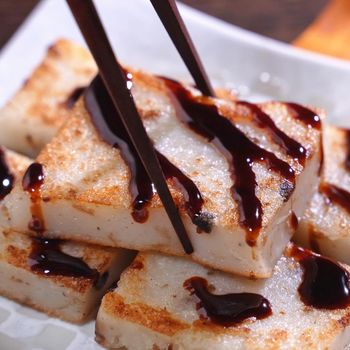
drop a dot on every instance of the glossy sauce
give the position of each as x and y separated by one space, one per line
6 177
336 195
311 120
32 181
74 97
47 258
227 309
110 127
193 198
205 119
263 120
305 115
325 284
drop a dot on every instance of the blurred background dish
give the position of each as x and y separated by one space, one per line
281 20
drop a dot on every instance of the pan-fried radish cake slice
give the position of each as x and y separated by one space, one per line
174 303
63 279
42 104
326 224
30 119
238 172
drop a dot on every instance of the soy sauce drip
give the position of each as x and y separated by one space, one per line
325 284
47 258
305 115
32 181
204 118
264 121
74 97
193 198
109 125
347 160
33 178
336 195
6 177
227 309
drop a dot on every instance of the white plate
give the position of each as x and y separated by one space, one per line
259 68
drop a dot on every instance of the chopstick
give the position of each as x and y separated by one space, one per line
170 16
113 77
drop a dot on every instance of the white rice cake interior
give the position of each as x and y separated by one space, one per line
69 298
85 195
150 309
325 226
33 115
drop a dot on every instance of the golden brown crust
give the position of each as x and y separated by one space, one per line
40 106
20 258
159 320
16 249
41 89
135 296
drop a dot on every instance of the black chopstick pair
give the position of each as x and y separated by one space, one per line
113 77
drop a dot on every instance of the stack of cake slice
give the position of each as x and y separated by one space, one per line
62 278
89 191
241 175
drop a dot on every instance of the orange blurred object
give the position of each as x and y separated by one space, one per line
330 32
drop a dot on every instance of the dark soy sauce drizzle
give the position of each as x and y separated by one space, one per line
325 283
6 177
111 129
289 145
194 200
227 309
240 151
336 195
32 181
333 193
347 160
305 115
74 97
47 258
